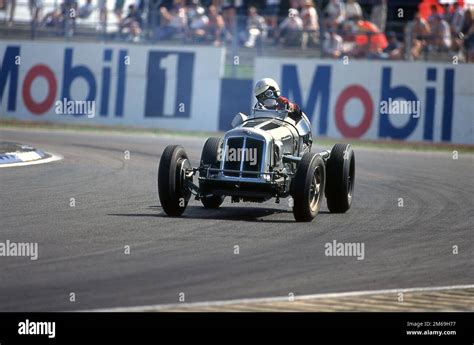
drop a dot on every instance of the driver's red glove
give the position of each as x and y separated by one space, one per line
285 103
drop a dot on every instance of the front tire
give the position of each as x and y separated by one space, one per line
211 157
340 169
172 191
308 187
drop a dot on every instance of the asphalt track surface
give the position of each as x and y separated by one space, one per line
81 248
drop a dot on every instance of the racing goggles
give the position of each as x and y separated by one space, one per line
265 95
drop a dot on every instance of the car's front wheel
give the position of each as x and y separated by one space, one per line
308 187
210 157
172 190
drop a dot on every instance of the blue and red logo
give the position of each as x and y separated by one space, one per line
10 72
168 89
319 92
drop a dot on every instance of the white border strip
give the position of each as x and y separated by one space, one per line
53 158
281 299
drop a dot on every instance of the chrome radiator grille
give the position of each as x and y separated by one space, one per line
236 143
247 156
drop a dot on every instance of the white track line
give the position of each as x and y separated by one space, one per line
281 299
53 158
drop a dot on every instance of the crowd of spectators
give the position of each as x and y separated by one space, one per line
338 27
449 28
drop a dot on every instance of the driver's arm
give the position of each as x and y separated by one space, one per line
293 108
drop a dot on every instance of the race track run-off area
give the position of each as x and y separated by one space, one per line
104 239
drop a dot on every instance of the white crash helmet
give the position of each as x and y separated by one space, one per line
267 91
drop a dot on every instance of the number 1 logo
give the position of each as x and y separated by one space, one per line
169 84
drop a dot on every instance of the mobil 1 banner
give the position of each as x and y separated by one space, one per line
111 84
410 101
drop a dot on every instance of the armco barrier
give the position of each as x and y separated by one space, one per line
152 86
347 100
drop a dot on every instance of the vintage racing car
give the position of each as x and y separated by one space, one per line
266 155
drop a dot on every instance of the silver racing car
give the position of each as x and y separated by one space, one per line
266 155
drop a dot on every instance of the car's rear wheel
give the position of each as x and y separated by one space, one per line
340 169
211 156
172 191
308 187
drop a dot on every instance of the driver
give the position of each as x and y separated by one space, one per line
267 92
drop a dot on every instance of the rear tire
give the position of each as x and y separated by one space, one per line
308 187
340 169
210 156
173 194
